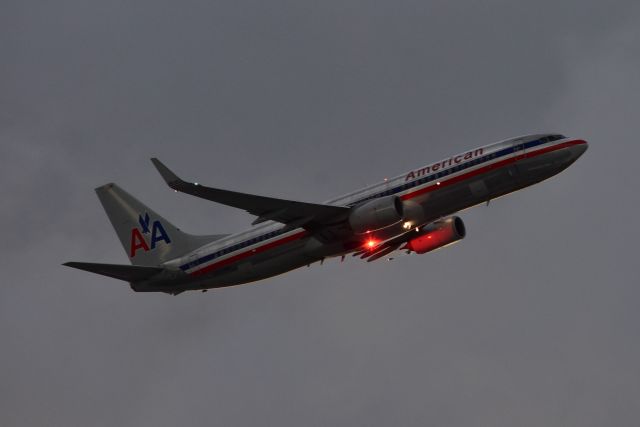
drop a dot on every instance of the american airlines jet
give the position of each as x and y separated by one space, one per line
412 212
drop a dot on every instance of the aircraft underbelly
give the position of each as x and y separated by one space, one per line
459 196
260 266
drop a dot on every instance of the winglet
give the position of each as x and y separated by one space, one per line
170 177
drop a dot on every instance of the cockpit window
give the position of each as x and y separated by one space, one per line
555 137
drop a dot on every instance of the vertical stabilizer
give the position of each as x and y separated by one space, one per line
147 238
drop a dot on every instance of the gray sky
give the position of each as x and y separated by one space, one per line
532 320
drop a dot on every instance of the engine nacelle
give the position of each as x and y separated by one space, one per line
376 214
437 235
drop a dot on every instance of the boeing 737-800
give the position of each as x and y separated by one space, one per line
413 212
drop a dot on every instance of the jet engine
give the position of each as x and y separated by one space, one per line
376 214
437 234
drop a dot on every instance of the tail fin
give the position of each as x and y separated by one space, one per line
147 238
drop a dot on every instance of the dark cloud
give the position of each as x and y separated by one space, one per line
530 321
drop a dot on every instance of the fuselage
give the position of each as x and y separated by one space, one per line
439 189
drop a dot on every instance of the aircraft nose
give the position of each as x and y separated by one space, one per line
579 149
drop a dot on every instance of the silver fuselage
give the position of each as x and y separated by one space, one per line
440 189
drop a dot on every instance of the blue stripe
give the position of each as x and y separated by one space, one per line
398 189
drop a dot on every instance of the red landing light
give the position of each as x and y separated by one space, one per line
370 244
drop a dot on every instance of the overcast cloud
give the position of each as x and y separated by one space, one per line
532 320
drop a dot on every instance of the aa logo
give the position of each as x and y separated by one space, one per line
158 234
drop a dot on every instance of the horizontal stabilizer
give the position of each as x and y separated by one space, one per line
129 273
290 212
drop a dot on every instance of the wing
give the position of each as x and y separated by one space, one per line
289 212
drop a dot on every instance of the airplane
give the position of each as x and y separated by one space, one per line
413 212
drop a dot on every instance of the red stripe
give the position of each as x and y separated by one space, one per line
249 253
407 196
495 165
